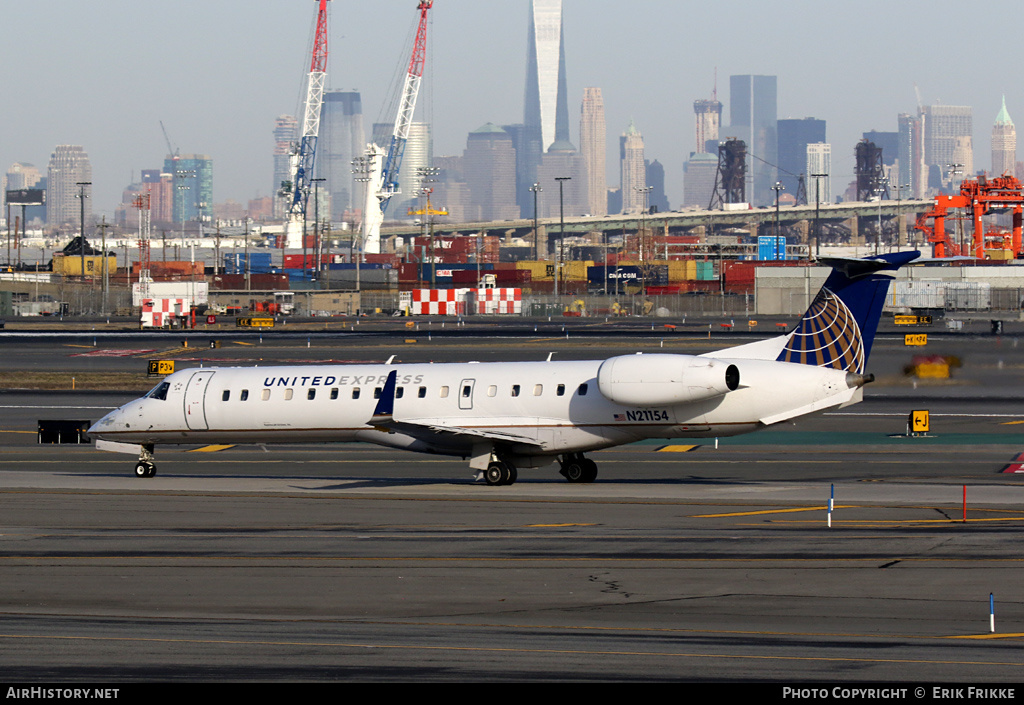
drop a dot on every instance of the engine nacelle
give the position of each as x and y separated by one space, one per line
662 380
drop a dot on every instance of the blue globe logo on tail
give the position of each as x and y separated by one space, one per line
839 327
828 336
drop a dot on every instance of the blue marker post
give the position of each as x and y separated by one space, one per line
831 504
991 613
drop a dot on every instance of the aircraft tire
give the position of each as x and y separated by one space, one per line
589 470
144 469
499 473
575 471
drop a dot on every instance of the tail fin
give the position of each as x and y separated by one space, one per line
839 327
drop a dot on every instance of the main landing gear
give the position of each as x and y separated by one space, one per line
576 468
145 467
500 472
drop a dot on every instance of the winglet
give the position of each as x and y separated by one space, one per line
386 404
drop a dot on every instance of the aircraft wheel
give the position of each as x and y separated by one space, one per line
501 473
589 470
145 469
575 471
497 474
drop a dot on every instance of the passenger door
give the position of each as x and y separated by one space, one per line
195 396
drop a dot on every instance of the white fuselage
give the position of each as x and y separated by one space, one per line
534 409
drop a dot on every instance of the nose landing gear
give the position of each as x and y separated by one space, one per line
145 467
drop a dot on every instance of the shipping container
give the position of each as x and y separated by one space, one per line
234 263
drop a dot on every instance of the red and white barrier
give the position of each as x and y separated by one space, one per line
157 313
458 302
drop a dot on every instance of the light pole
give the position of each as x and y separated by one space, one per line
899 215
535 189
777 188
316 229
561 228
427 175
645 191
81 198
817 211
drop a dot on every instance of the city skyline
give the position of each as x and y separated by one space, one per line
220 99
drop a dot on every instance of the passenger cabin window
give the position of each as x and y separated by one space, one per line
334 392
443 392
560 390
244 395
265 395
538 389
466 391
159 391
582 391
492 390
355 392
225 395
515 390
376 392
423 393
399 392
288 393
311 394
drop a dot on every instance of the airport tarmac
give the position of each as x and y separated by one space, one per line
354 562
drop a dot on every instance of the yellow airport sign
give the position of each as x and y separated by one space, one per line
908 320
915 339
253 322
161 367
919 422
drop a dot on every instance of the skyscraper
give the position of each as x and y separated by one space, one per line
418 155
943 125
193 186
818 160
489 167
1004 144
286 132
592 147
708 114
69 164
794 137
654 174
342 138
546 103
699 180
634 173
910 154
753 114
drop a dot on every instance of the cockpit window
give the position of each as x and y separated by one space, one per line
159 391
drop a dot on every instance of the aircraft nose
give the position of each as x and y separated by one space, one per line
113 421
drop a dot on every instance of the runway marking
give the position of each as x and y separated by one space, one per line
210 449
676 449
554 526
496 649
908 522
51 406
985 636
765 511
1011 423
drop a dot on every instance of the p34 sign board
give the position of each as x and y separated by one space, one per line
161 367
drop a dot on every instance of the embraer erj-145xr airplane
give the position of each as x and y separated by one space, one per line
504 416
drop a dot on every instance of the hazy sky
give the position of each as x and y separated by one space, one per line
217 72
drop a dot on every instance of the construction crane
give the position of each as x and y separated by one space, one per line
978 196
382 169
303 156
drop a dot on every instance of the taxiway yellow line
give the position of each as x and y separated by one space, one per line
763 511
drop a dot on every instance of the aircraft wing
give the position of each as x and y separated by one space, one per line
383 418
